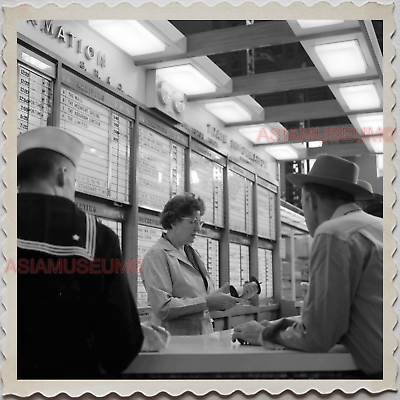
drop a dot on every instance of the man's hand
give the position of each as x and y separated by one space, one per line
218 300
249 332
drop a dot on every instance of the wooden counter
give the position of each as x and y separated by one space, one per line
215 353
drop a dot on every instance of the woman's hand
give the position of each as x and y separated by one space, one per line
218 300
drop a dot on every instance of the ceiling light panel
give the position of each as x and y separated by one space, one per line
310 23
263 133
129 35
282 152
315 26
256 134
228 111
377 144
361 97
342 51
371 124
315 143
342 58
187 79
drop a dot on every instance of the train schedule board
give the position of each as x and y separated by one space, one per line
161 169
239 264
35 98
208 249
266 200
104 168
249 207
147 237
265 273
240 202
264 212
206 177
115 226
272 206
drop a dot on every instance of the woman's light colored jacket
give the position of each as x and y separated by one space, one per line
176 290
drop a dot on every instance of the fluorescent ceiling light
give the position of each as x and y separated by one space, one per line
361 97
282 151
315 143
377 143
342 58
228 111
309 23
379 165
129 35
187 79
371 124
262 133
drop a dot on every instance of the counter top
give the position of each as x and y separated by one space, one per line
215 353
243 309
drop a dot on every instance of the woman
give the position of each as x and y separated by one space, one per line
179 288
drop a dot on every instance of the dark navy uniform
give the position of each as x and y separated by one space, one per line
75 311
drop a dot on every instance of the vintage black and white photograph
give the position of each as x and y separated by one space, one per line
200 200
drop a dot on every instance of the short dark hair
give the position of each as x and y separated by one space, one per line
329 193
182 205
37 164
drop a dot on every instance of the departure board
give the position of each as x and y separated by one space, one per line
120 153
240 203
209 252
249 207
263 219
245 263
239 264
115 226
266 201
147 237
206 177
237 205
35 99
218 195
103 170
161 169
272 207
265 273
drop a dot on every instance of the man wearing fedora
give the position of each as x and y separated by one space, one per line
71 323
372 206
344 302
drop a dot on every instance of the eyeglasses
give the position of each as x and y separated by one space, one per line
194 221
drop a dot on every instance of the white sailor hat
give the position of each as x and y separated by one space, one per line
51 138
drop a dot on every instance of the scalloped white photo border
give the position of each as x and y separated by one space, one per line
274 10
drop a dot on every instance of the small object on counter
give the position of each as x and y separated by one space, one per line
156 337
268 345
247 291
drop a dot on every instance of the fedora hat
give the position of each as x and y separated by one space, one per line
366 185
51 138
334 172
377 196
